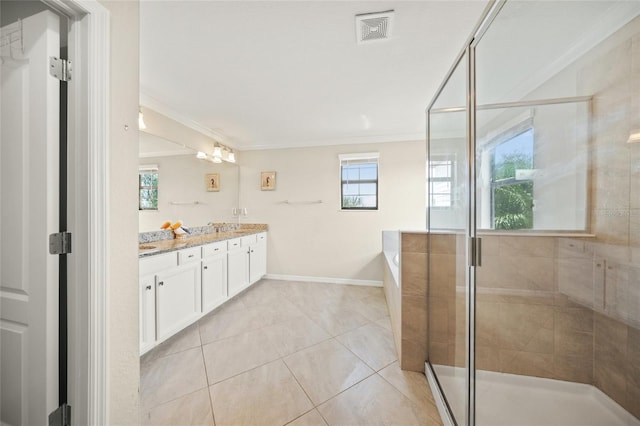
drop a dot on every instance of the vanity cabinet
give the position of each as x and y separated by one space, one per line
177 298
238 266
178 288
147 312
258 258
214 275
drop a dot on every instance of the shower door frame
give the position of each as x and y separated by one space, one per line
473 244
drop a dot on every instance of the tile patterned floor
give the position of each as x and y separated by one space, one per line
286 353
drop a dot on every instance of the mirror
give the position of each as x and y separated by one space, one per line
185 190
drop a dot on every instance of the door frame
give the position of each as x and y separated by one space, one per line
88 192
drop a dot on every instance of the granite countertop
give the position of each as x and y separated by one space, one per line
165 246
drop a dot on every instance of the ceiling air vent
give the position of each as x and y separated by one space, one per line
374 26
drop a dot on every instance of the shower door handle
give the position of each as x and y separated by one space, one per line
475 255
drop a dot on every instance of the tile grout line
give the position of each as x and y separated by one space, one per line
206 377
301 387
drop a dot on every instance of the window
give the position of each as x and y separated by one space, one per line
511 182
359 181
148 187
441 176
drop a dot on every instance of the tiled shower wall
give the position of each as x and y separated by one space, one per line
559 308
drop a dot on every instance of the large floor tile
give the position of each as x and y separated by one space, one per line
262 293
267 395
372 307
237 354
188 338
171 377
223 324
373 402
193 409
296 334
326 369
276 312
312 418
414 386
371 343
339 320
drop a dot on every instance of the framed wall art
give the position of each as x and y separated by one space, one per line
268 181
212 182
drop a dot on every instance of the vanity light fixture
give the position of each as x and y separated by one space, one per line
216 160
217 152
231 157
634 137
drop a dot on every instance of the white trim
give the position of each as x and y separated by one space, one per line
389 138
359 156
89 188
445 416
154 104
328 280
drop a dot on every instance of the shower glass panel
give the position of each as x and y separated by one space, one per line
534 147
449 223
558 292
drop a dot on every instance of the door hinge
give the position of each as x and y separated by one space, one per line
60 68
61 416
60 243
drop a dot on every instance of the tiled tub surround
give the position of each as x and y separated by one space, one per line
285 352
164 241
405 287
559 308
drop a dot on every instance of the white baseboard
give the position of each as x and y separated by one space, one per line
343 281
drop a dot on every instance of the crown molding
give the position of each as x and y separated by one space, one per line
403 137
150 102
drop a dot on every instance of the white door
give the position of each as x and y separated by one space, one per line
29 164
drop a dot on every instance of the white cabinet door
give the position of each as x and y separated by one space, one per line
177 299
258 261
214 281
238 270
147 312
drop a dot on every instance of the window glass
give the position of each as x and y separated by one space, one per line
359 182
511 182
148 189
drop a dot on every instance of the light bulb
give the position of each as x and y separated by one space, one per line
232 157
217 152
201 155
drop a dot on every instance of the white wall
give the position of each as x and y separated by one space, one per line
182 179
319 240
123 356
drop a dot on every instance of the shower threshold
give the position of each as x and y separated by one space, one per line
510 399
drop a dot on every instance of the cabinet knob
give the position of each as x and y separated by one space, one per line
216 249
205 267
161 283
191 255
148 287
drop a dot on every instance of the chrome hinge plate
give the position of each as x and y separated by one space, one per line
60 243
61 416
60 68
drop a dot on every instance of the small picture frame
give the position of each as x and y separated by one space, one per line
268 181
212 182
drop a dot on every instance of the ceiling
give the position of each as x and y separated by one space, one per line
275 74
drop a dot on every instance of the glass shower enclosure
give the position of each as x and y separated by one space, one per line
534 218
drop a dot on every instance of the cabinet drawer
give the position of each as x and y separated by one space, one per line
158 262
248 240
215 248
262 237
234 244
188 255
